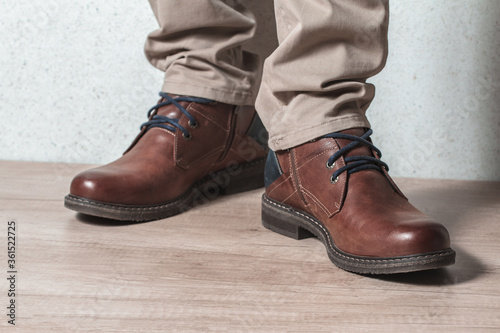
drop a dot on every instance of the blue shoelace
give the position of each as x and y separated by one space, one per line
355 163
172 124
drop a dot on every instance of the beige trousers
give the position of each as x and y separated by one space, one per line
314 82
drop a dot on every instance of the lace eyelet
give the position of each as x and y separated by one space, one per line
193 124
328 166
187 137
334 181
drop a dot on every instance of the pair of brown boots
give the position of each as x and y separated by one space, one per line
335 187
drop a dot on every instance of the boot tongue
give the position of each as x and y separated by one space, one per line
171 111
360 149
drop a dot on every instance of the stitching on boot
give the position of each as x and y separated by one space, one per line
334 249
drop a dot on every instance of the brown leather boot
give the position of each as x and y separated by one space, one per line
337 189
190 150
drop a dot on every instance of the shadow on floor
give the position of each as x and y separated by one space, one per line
466 268
103 222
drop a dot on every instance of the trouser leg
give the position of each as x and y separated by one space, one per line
314 83
198 45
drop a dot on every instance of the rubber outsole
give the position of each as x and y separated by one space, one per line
244 177
293 223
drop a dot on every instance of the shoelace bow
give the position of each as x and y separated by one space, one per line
172 124
355 163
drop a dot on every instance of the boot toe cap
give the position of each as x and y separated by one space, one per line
95 185
418 238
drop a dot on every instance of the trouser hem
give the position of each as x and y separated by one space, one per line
233 96
303 135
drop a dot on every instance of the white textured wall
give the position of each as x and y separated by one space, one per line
75 86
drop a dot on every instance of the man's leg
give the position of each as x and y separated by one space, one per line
191 148
198 46
315 81
323 176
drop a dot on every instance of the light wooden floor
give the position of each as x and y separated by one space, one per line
215 268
